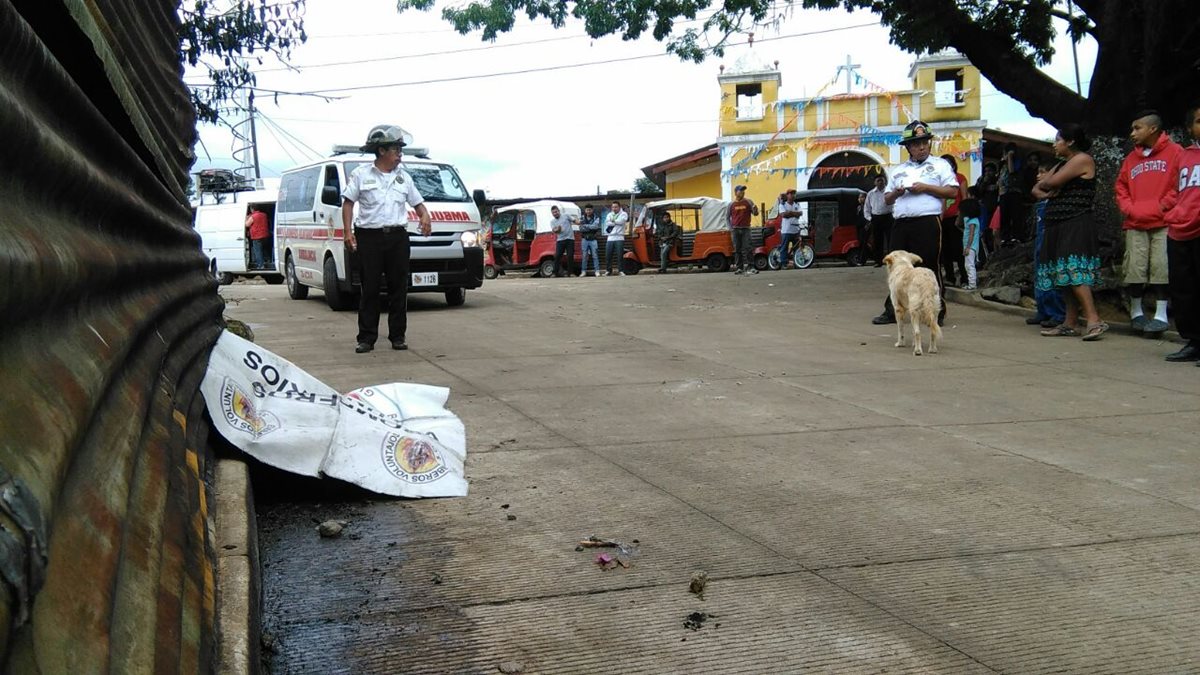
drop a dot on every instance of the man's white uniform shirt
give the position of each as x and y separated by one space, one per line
382 198
933 171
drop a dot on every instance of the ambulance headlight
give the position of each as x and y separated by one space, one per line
469 238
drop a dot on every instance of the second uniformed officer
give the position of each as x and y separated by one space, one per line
383 192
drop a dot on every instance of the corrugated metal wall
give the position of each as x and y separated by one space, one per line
106 319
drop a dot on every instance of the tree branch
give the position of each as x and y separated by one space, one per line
1012 72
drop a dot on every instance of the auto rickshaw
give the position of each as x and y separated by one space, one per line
519 238
827 230
706 238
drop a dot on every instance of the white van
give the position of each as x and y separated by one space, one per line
309 236
220 220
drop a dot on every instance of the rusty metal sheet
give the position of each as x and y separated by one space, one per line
108 318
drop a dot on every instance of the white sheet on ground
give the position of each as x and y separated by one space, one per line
395 439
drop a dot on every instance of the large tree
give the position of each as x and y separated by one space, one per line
1149 50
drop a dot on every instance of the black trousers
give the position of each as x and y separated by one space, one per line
563 247
1012 216
923 236
952 252
383 254
881 234
1183 270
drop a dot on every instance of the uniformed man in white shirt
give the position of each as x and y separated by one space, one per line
383 192
917 192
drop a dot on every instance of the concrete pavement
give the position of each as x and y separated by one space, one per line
1012 504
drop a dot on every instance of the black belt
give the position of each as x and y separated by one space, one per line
386 229
932 215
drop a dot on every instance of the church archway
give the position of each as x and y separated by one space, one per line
846 169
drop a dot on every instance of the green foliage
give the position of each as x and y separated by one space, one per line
225 37
916 25
643 186
1143 47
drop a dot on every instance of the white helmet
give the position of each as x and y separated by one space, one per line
386 134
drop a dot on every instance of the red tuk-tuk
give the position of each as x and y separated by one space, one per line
519 238
827 229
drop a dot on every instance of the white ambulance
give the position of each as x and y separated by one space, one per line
309 239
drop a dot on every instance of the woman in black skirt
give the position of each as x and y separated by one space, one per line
1070 260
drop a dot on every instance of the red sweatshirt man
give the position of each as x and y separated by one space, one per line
1141 186
1183 249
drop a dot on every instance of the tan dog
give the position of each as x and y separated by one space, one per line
914 293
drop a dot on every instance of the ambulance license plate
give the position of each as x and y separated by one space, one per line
425 279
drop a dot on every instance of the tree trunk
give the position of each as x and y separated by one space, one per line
1148 57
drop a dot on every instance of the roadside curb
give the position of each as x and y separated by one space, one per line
975 299
239 604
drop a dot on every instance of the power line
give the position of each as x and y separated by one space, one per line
448 52
415 56
543 69
285 132
281 145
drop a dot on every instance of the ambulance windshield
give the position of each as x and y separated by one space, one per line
435 182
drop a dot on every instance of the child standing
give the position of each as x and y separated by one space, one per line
1183 243
1050 309
968 212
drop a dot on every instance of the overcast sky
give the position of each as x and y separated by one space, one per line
573 130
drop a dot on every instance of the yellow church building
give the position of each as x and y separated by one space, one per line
842 136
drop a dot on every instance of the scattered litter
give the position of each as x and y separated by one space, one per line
510 667
596 542
511 517
771 285
623 556
670 290
504 506
698 584
437 578
695 620
331 528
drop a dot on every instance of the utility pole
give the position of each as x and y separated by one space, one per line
1074 52
254 138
